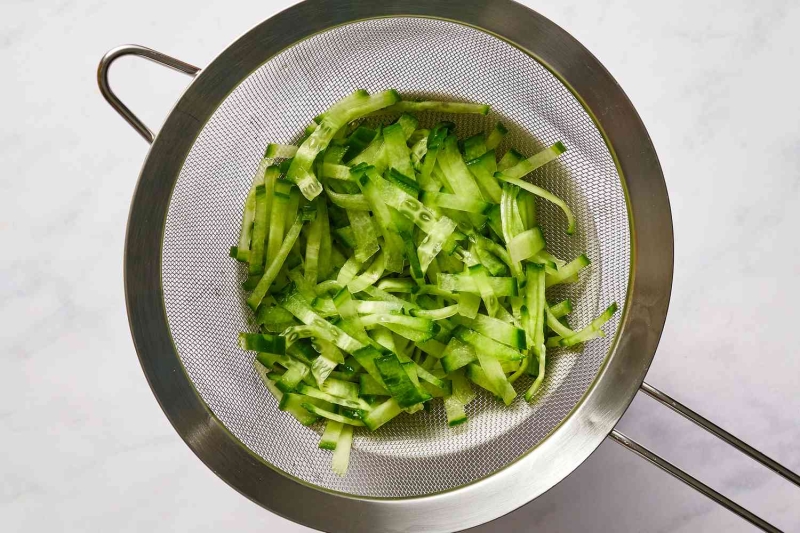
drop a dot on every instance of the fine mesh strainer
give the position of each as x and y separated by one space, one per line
416 474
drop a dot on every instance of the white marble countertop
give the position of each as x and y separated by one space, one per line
85 445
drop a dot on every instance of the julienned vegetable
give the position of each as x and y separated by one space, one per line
420 272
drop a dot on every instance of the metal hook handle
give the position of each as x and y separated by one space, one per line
722 435
140 51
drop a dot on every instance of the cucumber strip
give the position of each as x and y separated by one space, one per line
369 386
476 374
542 193
246 231
436 392
274 267
453 201
401 181
364 234
454 409
397 380
432 244
497 329
264 197
324 261
561 309
330 415
526 244
398 285
366 358
468 304
370 276
432 347
527 208
356 403
526 166
494 221
407 106
418 135
321 369
295 304
495 376
280 151
406 204
373 154
461 387
368 307
327 349
495 266
261 342
536 303
436 314
457 354
354 202
330 436
348 271
523 365
233 252
418 150
398 156
293 404
341 455
336 172
292 377
435 140
350 108
412 322
554 324
306 289
384 296
509 216
481 277
277 219
427 377
505 286
592 330
393 243
496 136
263 374
567 271
436 291
492 247
358 141
474 146
313 243
409 124
412 334
484 344
382 414
385 338
509 159
455 170
327 286
483 169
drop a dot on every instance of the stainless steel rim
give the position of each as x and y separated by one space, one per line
579 434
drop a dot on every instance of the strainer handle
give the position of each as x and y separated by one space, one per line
717 432
140 51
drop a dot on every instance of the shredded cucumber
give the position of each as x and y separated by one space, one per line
421 273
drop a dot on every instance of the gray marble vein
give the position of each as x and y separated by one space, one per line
85 445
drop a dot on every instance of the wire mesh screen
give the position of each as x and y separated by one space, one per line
414 454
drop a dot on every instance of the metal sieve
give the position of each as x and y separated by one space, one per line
185 306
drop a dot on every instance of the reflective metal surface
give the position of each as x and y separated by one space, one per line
138 51
697 485
586 423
